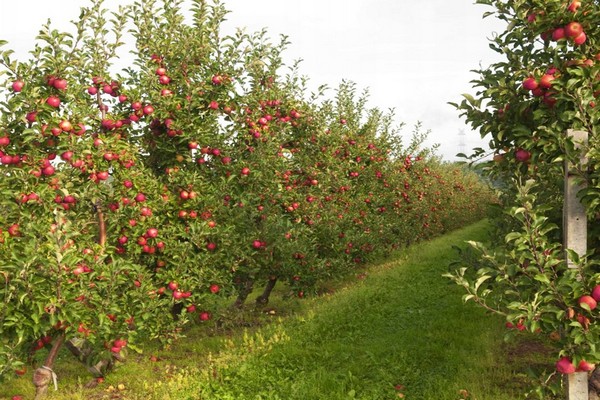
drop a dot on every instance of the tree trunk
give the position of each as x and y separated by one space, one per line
263 299
243 292
44 374
594 384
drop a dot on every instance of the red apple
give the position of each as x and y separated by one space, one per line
177 294
102 175
522 155
67 155
31 116
65 126
574 6
214 288
565 366
585 366
140 197
48 170
546 81
17 86
580 39
596 293
204 316
589 300
152 232
148 110
53 101
573 29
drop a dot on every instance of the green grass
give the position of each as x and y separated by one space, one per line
404 324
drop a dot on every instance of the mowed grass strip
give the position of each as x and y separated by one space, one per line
403 332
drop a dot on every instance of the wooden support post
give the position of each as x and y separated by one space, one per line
575 238
574 217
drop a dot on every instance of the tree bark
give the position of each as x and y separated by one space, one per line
263 299
44 374
243 292
594 384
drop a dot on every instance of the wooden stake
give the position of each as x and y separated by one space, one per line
574 216
575 238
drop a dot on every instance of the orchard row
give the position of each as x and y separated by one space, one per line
131 201
526 105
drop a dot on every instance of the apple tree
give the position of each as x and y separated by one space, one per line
545 85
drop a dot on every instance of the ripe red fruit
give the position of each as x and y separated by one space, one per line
65 126
152 232
140 197
596 293
172 285
214 288
67 155
191 308
546 81
17 86
4 141
573 29
530 83
213 105
257 244
204 316
574 6
585 366
177 295
120 343
31 116
148 110
245 171
102 175
164 80
53 101
580 39
522 155
211 246
21 371
160 71
49 170
589 300
13 230
60 84
565 366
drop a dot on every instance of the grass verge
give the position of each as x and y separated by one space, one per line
399 332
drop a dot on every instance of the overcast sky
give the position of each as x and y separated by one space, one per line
413 56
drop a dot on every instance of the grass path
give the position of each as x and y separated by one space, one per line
402 332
